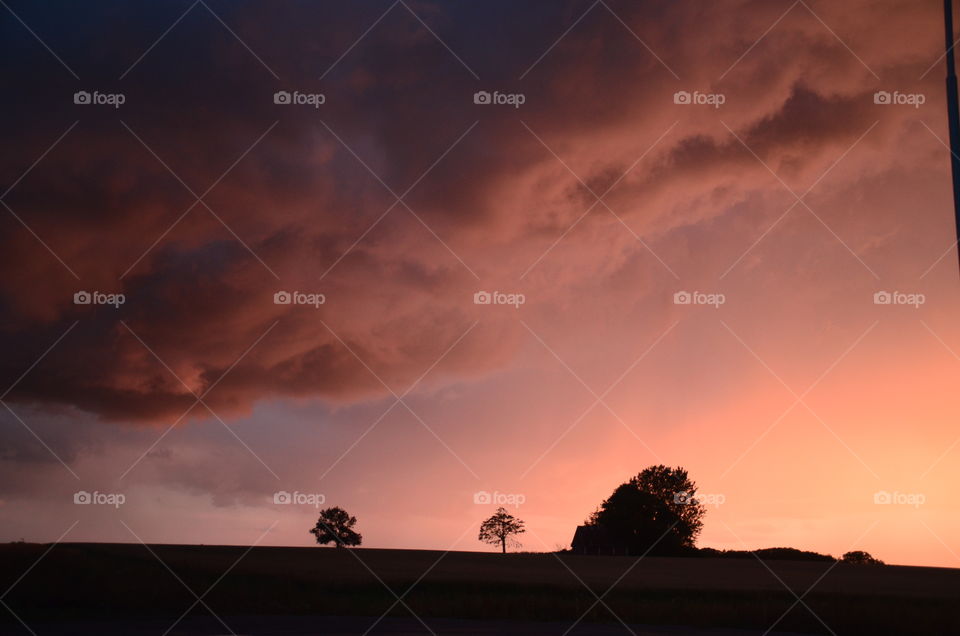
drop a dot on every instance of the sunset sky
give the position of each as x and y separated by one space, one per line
598 198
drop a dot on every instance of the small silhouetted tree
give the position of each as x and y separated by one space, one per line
657 510
501 528
335 524
860 557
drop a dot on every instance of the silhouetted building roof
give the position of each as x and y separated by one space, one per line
596 540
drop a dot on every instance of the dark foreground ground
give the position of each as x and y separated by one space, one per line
111 589
355 625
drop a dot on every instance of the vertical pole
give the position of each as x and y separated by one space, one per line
953 112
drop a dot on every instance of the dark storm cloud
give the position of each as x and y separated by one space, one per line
293 203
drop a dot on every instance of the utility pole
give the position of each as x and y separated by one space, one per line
953 112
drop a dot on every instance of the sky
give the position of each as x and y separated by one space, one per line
529 251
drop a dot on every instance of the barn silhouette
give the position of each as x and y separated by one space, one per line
596 540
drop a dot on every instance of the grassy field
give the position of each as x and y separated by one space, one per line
126 580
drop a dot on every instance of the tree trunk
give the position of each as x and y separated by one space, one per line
503 544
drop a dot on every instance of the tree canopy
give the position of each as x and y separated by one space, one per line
860 557
336 525
656 511
500 529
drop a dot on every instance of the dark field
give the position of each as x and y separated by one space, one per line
85 584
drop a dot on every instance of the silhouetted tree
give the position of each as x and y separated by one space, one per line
657 510
500 528
335 524
860 557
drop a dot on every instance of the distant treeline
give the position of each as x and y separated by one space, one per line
659 513
784 554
